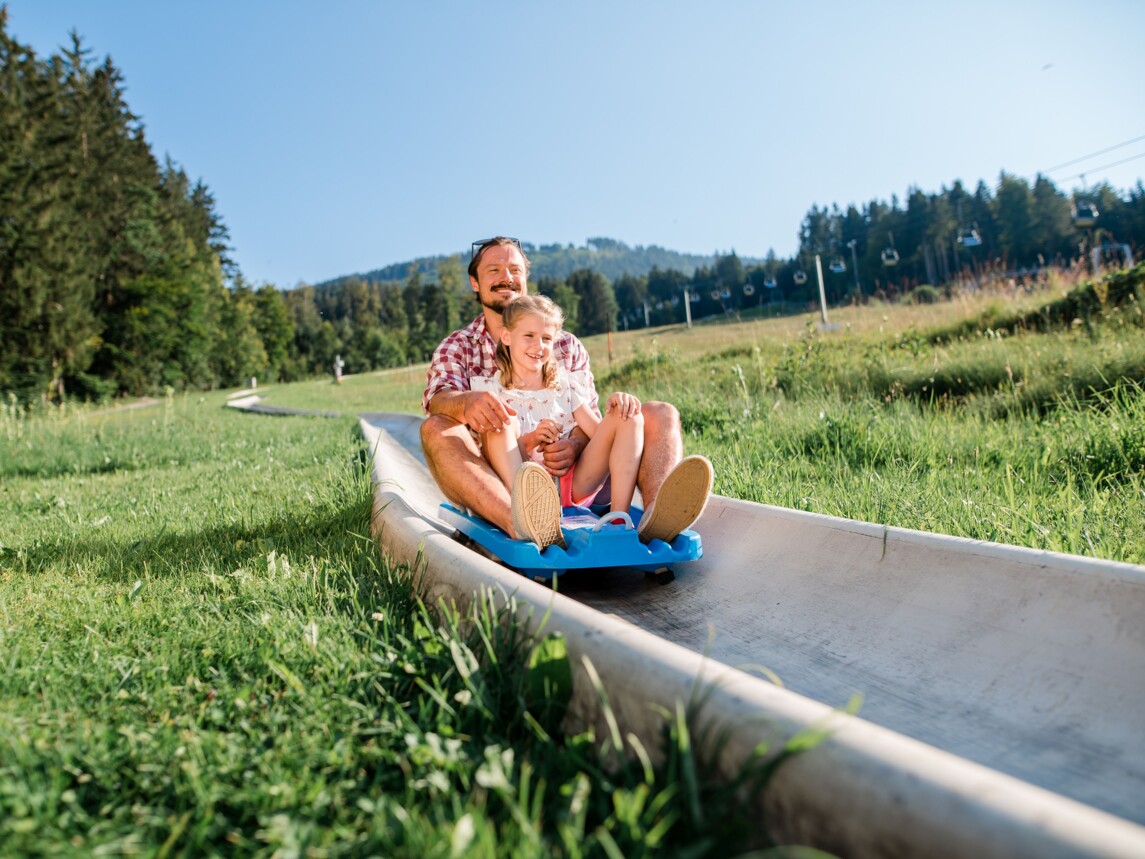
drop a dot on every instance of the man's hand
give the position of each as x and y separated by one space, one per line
561 455
484 412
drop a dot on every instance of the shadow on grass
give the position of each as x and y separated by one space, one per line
341 533
70 468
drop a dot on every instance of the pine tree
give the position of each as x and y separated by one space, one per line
598 308
46 279
272 322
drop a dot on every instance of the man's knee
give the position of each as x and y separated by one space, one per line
432 428
660 418
445 441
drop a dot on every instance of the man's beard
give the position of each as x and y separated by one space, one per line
496 300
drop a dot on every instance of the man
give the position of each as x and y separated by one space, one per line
674 490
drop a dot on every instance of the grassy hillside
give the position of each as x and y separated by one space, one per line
1015 417
204 655
1019 420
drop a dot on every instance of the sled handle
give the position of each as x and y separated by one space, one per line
607 518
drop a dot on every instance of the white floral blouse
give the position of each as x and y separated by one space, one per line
573 391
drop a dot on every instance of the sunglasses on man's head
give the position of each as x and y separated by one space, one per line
481 245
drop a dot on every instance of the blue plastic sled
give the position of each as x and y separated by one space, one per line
592 542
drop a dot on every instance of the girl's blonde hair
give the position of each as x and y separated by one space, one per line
515 310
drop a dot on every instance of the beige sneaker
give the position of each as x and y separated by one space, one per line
536 506
680 501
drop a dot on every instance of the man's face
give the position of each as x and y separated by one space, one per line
501 275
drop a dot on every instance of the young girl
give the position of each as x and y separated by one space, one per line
550 402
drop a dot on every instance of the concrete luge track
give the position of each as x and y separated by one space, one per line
1003 689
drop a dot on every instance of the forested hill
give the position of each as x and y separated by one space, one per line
608 257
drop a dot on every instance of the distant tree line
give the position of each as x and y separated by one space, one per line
115 277
935 239
954 234
878 250
374 324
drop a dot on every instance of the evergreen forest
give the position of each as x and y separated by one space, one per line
116 279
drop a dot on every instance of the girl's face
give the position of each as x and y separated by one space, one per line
530 343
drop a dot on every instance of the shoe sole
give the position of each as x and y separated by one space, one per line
680 502
537 511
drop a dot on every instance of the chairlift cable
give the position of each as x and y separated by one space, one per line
1105 166
1093 155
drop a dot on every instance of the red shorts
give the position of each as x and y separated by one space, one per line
567 499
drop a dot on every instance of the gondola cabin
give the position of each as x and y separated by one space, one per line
969 239
1084 214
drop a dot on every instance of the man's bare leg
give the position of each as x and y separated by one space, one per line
462 473
663 447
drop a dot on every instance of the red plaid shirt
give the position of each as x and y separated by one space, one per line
469 352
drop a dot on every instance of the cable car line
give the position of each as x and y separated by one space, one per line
1093 155
1106 166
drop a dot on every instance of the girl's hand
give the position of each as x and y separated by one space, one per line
625 405
547 432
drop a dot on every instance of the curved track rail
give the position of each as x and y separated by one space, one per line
1003 688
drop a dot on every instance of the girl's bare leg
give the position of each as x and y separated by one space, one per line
463 473
504 451
624 462
615 449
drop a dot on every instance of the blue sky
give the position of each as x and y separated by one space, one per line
343 136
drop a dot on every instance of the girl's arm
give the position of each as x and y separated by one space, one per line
586 419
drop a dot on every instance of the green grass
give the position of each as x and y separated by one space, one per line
1027 435
381 391
204 654
1054 472
1070 483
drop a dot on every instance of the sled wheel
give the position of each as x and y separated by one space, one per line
662 576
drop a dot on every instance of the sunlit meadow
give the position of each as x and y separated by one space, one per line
204 652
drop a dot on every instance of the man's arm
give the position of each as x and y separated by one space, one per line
482 411
450 368
450 404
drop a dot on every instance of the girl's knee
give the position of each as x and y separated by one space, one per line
621 426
